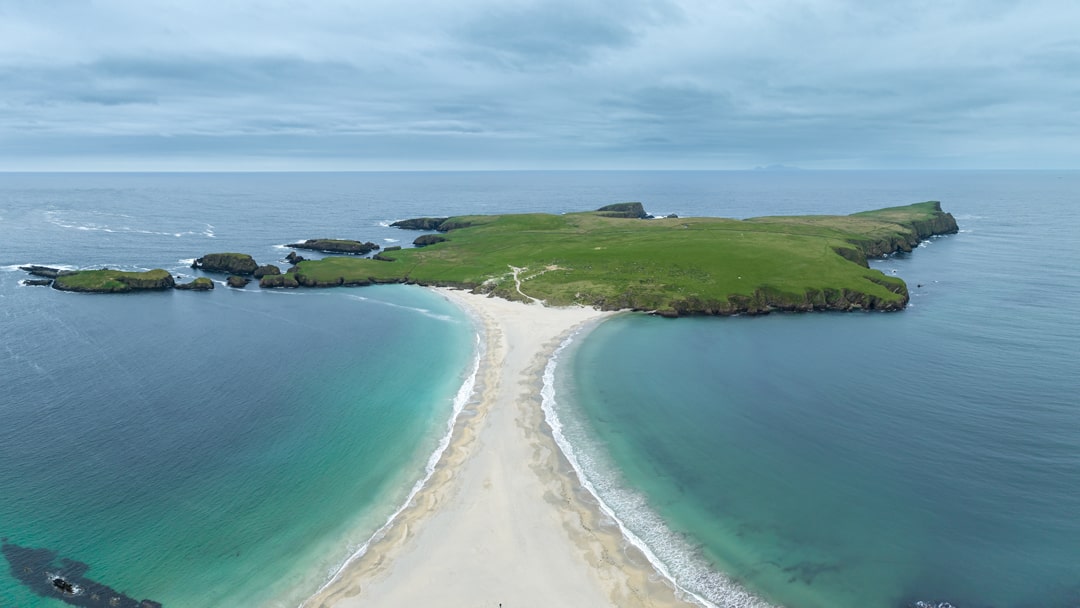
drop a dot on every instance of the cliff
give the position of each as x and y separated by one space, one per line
336 246
228 263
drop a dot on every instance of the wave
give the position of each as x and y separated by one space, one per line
423 311
15 267
668 552
54 218
461 398
386 223
392 240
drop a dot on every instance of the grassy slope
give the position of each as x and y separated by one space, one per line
113 281
709 265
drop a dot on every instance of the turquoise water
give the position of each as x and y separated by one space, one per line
860 460
234 448
229 448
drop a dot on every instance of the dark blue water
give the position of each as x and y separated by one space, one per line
199 448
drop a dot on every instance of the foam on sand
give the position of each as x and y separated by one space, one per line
502 517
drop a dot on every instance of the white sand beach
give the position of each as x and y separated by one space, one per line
503 519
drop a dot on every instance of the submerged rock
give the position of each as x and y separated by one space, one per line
237 281
64 580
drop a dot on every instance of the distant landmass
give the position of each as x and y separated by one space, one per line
617 257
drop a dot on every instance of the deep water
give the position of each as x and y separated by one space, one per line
232 448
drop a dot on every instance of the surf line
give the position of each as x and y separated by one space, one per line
735 596
463 396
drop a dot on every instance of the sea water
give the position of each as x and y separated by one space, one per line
861 460
236 447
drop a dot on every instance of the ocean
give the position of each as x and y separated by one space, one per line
236 447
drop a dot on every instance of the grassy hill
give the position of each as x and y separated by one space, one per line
671 265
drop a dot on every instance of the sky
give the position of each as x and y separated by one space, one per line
516 84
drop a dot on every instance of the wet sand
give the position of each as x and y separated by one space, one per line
503 519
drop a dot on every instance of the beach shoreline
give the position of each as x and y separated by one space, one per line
503 518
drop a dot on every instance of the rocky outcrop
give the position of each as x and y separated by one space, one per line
627 210
336 246
428 239
268 269
280 280
229 263
44 271
237 281
113 281
293 258
40 282
383 257
199 284
420 223
909 235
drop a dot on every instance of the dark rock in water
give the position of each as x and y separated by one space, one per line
672 216
922 604
336 246
63 586
199 284
294 259
420 223
44 271
428 239
64 579
269 269
237 282
43 282
231 263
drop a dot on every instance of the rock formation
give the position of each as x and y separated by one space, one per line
230 263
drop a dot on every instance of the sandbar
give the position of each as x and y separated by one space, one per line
503 520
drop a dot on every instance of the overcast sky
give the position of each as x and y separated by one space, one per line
508 84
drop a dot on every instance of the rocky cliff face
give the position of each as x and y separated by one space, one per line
229 263
199 284
627 210
909 236
336 246
420 223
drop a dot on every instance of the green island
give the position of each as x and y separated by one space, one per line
611 259
616 257
114 281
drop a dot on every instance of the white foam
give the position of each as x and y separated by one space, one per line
463 396
392 240
423 311
280 247
386 223
634 518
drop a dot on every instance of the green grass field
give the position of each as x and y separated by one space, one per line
673 266
114 281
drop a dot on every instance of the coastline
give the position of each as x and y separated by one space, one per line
503 518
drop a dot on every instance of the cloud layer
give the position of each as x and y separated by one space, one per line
492 84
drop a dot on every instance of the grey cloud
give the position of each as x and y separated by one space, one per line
652 83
